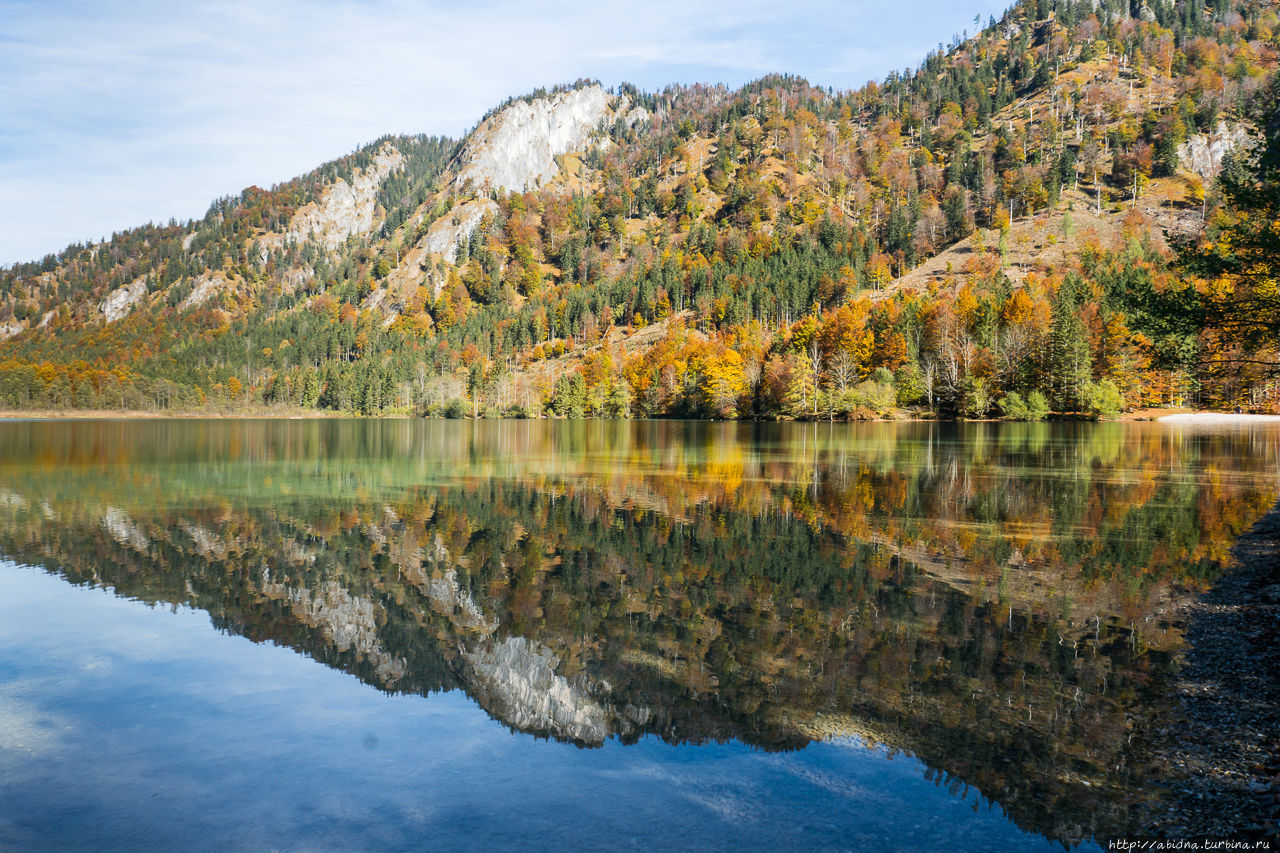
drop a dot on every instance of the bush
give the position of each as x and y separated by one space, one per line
865 401
1038 403
909 383
1034 408
1102 399
456 408
976 400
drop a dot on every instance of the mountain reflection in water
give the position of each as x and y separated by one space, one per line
998 600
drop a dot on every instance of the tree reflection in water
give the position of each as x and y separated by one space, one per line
998 600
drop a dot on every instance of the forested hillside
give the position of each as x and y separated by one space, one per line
1065 212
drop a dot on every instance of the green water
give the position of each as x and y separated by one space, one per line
992 604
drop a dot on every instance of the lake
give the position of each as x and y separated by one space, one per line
335 635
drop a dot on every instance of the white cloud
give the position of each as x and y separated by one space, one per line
27 730
119 112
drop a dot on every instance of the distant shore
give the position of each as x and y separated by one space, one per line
150 414
1161 415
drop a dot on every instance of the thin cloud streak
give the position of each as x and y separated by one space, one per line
118 113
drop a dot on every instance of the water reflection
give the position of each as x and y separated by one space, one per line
995 599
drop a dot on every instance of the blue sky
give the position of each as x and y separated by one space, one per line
118 112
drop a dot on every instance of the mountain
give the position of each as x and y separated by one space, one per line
988 233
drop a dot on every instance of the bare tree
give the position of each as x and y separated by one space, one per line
815 362
844 368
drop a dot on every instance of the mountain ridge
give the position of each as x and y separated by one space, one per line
566 214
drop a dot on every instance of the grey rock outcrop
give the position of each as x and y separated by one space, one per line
345 208
514 678
346 621
446 233
208 544
205 287
434 571
121 301
516 149
122 528
1203 153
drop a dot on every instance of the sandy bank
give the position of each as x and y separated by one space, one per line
1217 418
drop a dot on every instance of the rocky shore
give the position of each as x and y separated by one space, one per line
1223 750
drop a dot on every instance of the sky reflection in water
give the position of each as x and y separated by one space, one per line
130 727
722 612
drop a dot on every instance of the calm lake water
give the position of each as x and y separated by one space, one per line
336 635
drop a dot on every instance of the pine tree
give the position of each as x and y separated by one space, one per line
1070 361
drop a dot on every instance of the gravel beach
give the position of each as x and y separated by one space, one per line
1223 752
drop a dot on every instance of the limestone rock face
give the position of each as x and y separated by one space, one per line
296 277
8 330
1203 152
442 239
432 569
516 149
206 286
447 232
346 208
120 301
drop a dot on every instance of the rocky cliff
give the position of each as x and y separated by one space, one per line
346 208
120 301
516 149
1203 152
205 287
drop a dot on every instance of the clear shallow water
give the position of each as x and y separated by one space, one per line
595 635
128 728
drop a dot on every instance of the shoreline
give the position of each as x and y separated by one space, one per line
1217 418
146 414
1222 749
1203 418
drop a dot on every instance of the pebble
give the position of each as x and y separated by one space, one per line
1225 747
